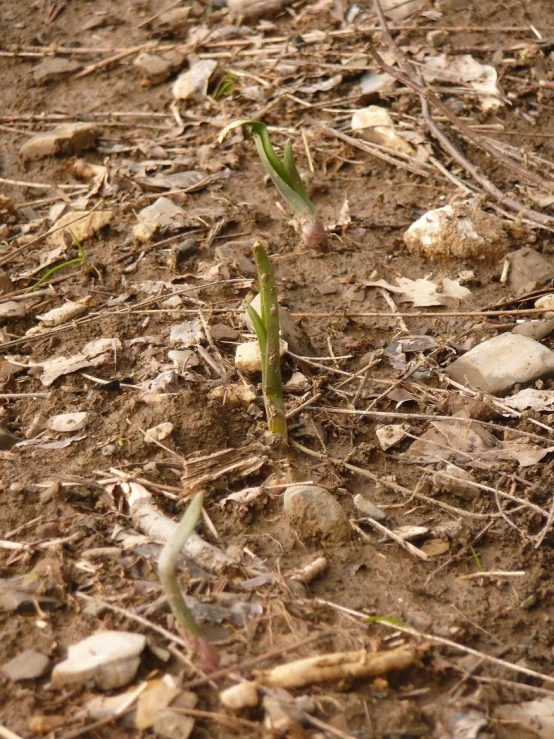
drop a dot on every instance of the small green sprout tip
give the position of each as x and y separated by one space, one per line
286 179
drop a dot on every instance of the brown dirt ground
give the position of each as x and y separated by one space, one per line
510 618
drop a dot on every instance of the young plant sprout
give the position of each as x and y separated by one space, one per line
267 331
287 180
170 584
81 259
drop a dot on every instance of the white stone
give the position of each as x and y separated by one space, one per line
66 422
247 356
499 363
316 515
110 659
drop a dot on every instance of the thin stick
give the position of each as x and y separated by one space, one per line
492 573
106 62
398 539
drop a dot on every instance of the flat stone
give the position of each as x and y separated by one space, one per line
156 69
173 725
529 270
316 515
368 509
499 363
535 329
54 69
28 665
110 659
70 138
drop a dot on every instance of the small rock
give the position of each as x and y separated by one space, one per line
529 270
316 515
368 509
158 433
377 126
223 332
537 330
459 231
194 82
461 485
110 450
49 493
247 356
66 422
28 665
161 215
390 435
437 38
409 533
173 725
499 363
156 69
183 358
70 138
12 309
110 659
546 301
173 20
52 69
242 695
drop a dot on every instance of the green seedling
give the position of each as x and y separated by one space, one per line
81 259
168 577
477 560
226 86
386 620
286 179
267 331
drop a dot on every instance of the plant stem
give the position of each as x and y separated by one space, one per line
270 350
166 566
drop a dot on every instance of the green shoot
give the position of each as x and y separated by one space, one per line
226 86
386 620
170 584
267 331
287 180
81 259
477 560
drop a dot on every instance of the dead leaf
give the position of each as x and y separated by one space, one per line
464 68
422 292
538 400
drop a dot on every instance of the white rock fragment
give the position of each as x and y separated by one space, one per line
377 126
499 363
82 224
12 309
194 82
66 422
110 659
408 533
390 434
242 695
69 138
65 312
368 509
163 214
316 515
158 433
156 69
27 665
459 231
247 355
546 301
187 334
